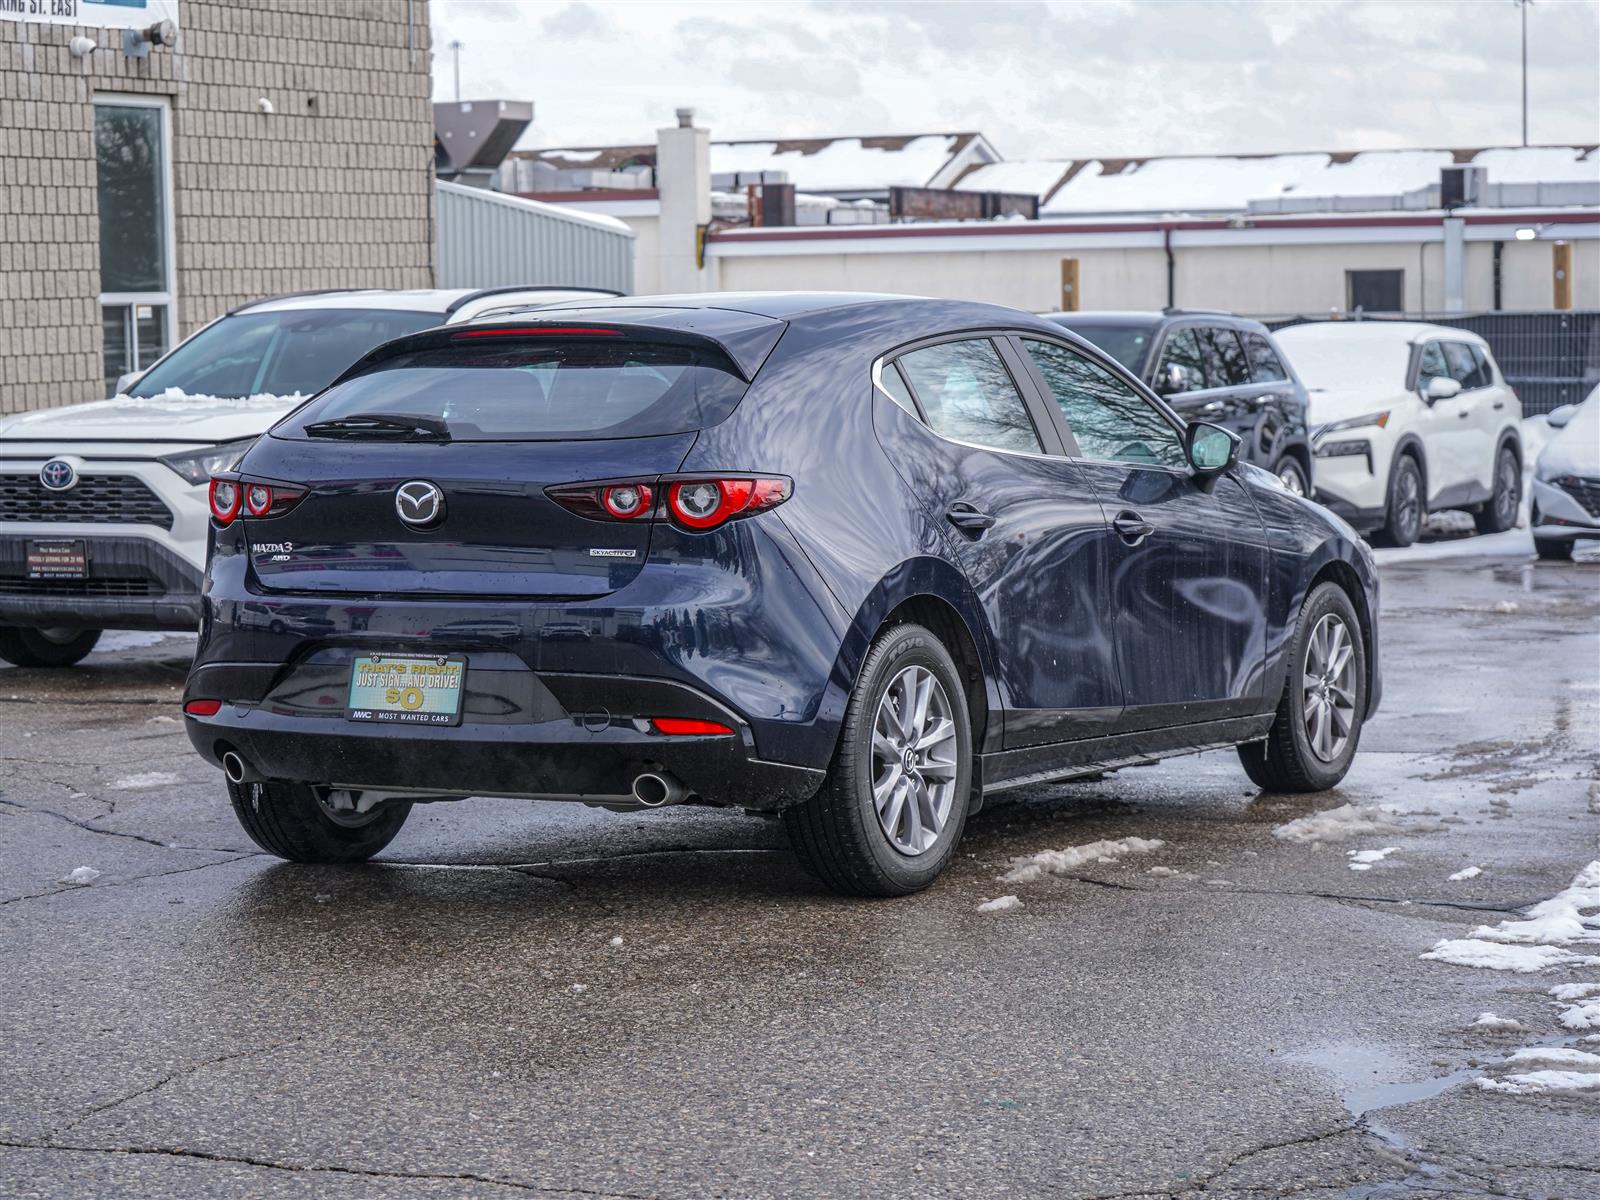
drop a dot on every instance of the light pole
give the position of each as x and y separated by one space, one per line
1523 5
455 50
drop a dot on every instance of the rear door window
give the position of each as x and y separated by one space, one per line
1182 348
1110 420
968 395
543 390
1265 365
1226 365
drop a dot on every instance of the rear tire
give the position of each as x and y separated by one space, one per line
288 820
1405 506
1554 549
879 827
1294 758
46 647
1499 513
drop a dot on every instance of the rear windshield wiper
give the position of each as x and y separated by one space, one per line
396 426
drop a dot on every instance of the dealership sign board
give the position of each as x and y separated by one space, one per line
96 14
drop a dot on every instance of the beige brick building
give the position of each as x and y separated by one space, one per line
275 146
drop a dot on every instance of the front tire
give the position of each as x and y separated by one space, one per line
46 647
895 799
1318 725
1292 475
291 821
1402 518
1500 512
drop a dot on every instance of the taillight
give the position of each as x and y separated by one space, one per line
203 708
226 497
688 727
233 497
696 502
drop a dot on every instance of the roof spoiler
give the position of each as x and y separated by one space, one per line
744 338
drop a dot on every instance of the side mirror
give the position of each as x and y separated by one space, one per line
1174 378
1211 448
1441 388
1560 418
124 382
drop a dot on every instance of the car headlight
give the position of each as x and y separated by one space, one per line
1380 419
197 466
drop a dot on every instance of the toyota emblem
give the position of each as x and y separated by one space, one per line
58 475
419 503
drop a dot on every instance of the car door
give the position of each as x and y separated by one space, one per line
1188 557
1495 406
1021 521
1464 428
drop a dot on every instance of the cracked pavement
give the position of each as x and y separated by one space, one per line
453 1020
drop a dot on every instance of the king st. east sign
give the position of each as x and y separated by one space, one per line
96 14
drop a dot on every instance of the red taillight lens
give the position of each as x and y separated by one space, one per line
203 708
226 497
258 499
626 501
687 727
698 504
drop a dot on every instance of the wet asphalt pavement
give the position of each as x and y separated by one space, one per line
457 1018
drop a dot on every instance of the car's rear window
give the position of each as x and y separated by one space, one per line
544 391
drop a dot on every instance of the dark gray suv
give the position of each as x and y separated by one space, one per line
1215 367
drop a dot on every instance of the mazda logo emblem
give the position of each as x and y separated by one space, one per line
419 503
58 475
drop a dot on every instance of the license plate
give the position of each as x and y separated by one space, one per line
57 560
406 689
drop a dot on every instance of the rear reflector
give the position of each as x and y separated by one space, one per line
203 708
687 727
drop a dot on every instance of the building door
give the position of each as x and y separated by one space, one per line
133 186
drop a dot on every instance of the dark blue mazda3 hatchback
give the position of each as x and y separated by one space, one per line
861 560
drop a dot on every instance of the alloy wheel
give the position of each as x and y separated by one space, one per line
913 760
1508 492
1293 480
1408 501
1328 683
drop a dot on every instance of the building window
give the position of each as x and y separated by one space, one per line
133 180
1375 291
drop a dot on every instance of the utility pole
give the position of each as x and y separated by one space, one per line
1523 5
455 50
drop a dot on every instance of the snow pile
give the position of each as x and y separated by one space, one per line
999 904
1362 860
1466 873
150 779
80 876
1523 960
1560 1070
1058 862
1583 1004
1353 820
1558 921
1490 1023
177 396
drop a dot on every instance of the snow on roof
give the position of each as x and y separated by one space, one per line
840 164
1180 184
1035 177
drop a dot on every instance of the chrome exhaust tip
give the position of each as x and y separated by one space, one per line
656 791
236 769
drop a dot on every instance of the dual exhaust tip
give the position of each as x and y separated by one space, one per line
649 788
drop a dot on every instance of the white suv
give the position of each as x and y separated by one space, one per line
1407 419
103 509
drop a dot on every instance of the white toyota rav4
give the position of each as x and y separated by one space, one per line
103 506
1407 419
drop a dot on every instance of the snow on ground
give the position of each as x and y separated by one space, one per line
1571 915
999 904
80 876
1466 873
1362 860
134 639
149 779
1584 1013
1031 867
1524 960
1490 1023
1533 1083
1352 820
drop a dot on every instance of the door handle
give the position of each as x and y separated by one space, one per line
1499 404
1131 527
1464 414
966 516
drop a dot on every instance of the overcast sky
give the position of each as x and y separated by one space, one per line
1042 80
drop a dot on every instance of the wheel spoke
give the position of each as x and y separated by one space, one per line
937 733
937 770
890 813
932 819
913 820
883 789
919 719
884 748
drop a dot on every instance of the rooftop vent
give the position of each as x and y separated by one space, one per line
472 137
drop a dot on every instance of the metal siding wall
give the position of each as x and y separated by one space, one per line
484 242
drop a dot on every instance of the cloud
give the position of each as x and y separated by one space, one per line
578 22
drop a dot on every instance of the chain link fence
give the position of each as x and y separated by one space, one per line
1550 358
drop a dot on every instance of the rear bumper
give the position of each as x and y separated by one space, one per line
133 583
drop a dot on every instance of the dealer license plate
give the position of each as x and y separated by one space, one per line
57 560
406 689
